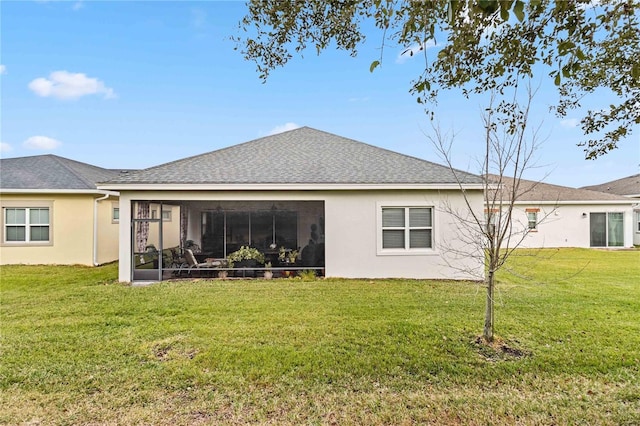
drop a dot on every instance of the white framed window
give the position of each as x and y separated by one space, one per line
26 225
491 220
405 229
638 222
532 219
115 214
166 215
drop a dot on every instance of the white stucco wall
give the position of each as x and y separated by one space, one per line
353 234
565 226
352 231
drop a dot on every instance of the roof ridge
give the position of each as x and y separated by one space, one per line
300 156
64 163
396 152
180 160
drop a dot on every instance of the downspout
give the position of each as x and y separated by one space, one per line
95 224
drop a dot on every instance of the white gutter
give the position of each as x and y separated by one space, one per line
95 223
51 191
283 187
574 203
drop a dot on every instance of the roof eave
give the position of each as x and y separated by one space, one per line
57 191
574 202
287 187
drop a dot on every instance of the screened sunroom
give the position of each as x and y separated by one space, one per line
173 239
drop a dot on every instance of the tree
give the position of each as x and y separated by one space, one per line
484 45
509 150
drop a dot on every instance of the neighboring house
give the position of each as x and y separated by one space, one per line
52 212
559 216
628 187
353 210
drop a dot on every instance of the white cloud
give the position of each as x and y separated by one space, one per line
3 69
414 50
570 123
198 18
5 147
42 143
66 85
283 128
198 23
77 5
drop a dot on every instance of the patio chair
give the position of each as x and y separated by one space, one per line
192 263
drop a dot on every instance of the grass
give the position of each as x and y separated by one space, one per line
79 348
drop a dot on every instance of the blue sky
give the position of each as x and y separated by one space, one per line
137 84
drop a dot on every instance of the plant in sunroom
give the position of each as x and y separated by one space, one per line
268 273
289 256
245 253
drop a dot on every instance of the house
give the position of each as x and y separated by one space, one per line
628 187
350 209
53 213
548 215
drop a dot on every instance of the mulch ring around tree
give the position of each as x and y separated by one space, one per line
499 349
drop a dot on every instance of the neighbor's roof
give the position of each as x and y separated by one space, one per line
300 156
532 191
629 186
50 172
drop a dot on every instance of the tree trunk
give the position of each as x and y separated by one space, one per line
488 315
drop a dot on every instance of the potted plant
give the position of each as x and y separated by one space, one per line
287 256
223 273
268 273
245 257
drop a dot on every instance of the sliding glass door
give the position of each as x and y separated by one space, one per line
615 229
225 232
606 229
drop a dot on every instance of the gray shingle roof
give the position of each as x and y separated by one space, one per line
50 172
300 156
626 186
532 191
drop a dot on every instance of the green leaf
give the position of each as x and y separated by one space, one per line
557 80
635 72
504 14
518 9
565 46
452 10
488 6
374 65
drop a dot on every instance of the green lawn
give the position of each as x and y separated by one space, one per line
80 348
